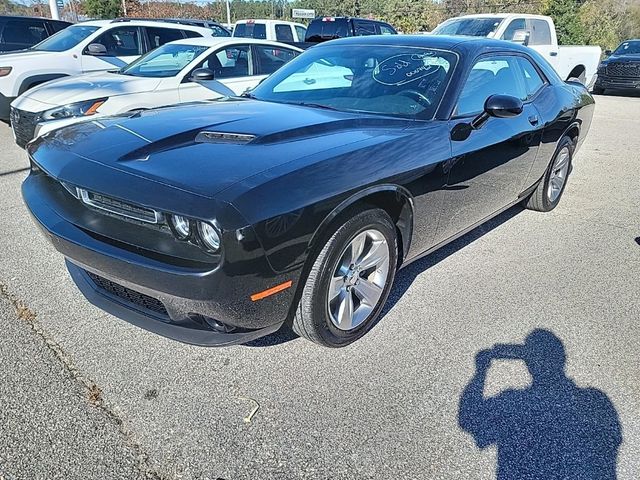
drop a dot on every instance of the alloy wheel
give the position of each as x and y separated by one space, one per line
558 177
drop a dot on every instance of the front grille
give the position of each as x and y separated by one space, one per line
24 125
623 69
131 296
118 207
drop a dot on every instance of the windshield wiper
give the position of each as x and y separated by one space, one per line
317 105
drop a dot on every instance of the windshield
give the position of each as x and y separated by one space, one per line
66 39
474 27
628 48
165 61
385 80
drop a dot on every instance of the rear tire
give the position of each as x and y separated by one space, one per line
350 281
550 189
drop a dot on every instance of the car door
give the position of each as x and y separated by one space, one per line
123 44
231 65
489 165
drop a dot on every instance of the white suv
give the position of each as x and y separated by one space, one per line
85 47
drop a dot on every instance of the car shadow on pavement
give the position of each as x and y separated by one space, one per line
552 429
406 276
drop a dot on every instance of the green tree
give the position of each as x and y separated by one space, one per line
566 15
600 24
103 8
410 16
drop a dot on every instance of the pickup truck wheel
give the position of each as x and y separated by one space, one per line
550 189
349 282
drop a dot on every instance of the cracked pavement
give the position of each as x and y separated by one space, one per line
84 395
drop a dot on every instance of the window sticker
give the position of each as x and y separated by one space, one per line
409 67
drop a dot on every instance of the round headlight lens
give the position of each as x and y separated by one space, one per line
181 226
209 236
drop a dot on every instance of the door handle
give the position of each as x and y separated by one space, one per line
553 54
534 120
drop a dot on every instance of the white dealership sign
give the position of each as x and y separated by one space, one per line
302 13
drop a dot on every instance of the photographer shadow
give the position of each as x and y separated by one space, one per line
551 430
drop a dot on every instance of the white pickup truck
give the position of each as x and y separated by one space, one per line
537 32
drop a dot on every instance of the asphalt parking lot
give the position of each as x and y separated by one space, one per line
84 395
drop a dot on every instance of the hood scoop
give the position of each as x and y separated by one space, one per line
224 137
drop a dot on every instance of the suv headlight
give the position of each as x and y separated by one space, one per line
79 109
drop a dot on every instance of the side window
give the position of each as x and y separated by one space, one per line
272 58
229 62
24 32
490 76
364 27
540 33
217 31
532 79
514 26
284 33
160 36
121 41
191 34
302 32
386 30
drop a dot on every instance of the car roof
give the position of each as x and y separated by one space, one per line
146 23
221 41
443 42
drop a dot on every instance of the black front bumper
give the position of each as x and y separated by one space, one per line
606 81
209 307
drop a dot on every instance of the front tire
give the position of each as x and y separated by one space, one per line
598 90
350 281
550 189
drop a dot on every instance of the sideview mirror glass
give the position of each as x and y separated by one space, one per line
608 53
202 75
521 37
96 49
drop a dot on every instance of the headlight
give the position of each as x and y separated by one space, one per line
181 227
79 109
209 236
4 71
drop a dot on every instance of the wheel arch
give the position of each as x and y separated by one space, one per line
577 72
34 80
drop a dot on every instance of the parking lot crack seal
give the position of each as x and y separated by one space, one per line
93 391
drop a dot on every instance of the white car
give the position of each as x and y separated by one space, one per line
276 30
164 76
535 31
85 47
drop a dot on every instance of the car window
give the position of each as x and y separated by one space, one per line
160 36
540 32
284 33
327 28
24 31
364 27
473 27
165 61
66 39
272 58
514 26
532 79
229 62
121 41
388 80
490 76
251 30
218 31
386 30
302 32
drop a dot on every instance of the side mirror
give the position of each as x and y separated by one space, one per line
498 106
202 75
608 53
96 49
522 37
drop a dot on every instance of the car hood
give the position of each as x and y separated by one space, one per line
89 86
198 148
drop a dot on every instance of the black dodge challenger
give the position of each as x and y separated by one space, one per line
295 204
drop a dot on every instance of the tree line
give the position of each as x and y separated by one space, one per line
590 22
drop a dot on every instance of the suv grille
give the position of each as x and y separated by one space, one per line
623 69
131 296
24 125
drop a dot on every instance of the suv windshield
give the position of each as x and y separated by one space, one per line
66 39
386 80
628 48
165 61
474 27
